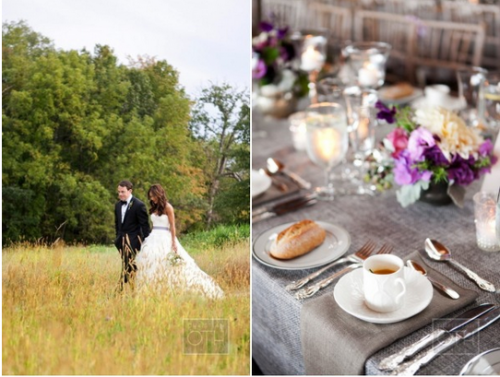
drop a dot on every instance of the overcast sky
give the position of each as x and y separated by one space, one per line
205 40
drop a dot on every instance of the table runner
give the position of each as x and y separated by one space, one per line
334 342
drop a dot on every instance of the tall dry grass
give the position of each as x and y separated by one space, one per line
61 315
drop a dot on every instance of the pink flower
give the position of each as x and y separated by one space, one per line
399 139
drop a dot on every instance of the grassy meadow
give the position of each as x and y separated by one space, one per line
61 314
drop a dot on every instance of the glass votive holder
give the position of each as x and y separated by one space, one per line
298 130
485 219
368 60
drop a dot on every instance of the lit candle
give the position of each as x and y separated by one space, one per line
328 144
485 214
363 128
487 235
368 75
311 60
299 136
298 130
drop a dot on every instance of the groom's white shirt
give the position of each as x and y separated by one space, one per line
124 207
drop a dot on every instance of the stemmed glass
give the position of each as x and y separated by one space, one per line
327 140
312 57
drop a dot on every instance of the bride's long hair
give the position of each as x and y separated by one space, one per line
157 192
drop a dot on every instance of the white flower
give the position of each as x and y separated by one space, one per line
456 137
255 60
174 259
287 80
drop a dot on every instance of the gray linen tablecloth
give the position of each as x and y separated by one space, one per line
276 338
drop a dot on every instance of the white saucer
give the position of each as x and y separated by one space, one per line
450 103
260 183
335 245
485 364
348 293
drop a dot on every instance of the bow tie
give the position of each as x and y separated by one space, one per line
123 202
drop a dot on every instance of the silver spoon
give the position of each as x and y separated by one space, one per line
274 166
437 251
443 288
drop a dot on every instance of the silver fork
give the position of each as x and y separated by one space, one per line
313 289
356 257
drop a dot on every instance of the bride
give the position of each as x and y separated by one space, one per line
163 262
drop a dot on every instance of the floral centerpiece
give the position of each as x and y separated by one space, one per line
432 146
274 64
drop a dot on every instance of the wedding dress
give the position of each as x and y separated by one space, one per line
155 268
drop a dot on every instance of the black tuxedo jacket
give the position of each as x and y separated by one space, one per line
135 224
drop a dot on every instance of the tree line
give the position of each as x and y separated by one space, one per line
75 123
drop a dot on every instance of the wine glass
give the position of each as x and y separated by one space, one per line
326 140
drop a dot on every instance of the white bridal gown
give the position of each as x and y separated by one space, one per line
154 269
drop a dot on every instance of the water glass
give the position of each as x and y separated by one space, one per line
492 99
326 140
485 218
470 87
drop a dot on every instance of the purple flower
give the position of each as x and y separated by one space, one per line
435 155
461 171
282 32
266 26
260 70
405 173
385 113
420 140
485 148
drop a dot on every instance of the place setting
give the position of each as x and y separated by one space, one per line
395 172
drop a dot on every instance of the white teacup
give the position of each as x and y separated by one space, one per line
437 94
384 283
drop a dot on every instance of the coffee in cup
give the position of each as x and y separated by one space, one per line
384 283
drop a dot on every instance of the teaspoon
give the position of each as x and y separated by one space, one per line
437 251
274 166
443 288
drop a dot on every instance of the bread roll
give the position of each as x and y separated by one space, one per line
400 90
297 240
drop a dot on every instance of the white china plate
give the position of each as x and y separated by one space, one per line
403 100
451 103
260 183
484 364
336 243
348 293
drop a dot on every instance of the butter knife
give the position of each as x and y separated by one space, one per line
283 204
411 367
391 362
282 210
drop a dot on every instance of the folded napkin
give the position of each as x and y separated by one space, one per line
272 193
334 342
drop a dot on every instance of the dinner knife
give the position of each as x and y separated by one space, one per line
411 367
391 362
284 204
283 210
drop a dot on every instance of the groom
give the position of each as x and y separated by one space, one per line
132 226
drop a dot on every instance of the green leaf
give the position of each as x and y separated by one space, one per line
269 55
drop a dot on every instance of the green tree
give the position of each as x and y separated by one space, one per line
75 124
221 117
